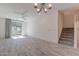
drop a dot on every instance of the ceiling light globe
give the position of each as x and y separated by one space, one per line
35 5
49 6
45 9
38 9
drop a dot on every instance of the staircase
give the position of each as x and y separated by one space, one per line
67 37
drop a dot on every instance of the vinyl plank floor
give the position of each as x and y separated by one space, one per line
30 46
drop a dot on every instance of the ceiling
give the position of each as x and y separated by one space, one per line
7 10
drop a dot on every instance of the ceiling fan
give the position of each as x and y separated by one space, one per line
22 15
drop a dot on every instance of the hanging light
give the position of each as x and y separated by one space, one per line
42 6
35 5
38 10
49 6
45 10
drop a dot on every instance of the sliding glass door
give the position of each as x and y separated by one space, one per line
16 28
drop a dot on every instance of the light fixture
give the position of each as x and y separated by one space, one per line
42 7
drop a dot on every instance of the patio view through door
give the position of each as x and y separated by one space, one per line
16 28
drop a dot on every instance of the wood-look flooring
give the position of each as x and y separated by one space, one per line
29 46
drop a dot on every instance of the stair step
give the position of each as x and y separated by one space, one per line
67 36
67 32
68 28
65 41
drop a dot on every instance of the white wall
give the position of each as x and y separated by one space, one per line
24 28
76 20
2 28
68 20
44 26
60 23
78 32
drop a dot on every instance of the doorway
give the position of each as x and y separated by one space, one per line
16 28
66 28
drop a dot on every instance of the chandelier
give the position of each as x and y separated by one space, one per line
42 7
